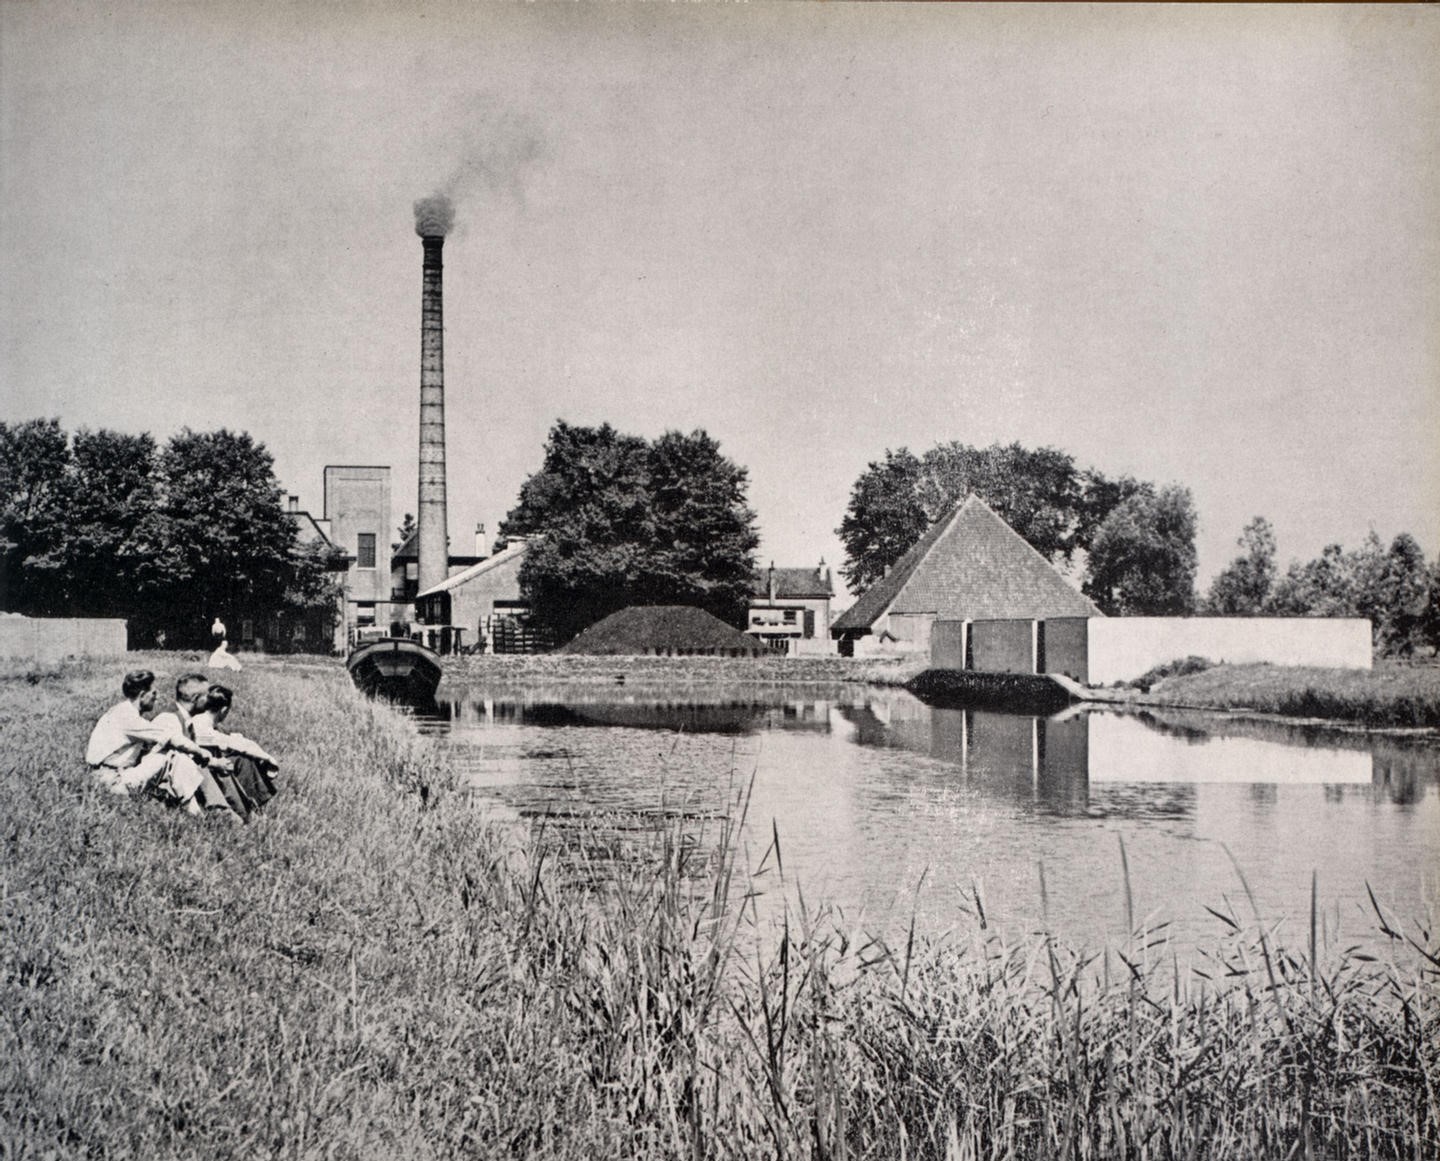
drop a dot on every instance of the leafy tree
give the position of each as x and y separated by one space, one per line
34 465
313 588
405 531
616 521
1323 587
218 539
704 531
1430 622
1243 588
1404 597
884 518
110 490
1142 561
1039 492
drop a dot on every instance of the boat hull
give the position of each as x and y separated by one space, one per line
395 669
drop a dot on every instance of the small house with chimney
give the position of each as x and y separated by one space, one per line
968 566
789 609
482 605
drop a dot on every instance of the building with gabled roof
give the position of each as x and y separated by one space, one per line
789 609
968 566
480 606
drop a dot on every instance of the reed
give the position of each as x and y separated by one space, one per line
376 967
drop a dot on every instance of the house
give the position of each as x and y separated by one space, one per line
789 609
313 630
968 566
480 606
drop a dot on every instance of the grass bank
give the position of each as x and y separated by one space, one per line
1391 695
374 969
679 672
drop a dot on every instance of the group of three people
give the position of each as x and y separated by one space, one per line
183 757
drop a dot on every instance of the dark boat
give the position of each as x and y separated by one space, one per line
395 668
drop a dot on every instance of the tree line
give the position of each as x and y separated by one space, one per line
1393 587
105 524
1131 543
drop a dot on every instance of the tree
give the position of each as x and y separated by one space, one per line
1243 588
884 518
34 464
617 521
1040 493
218 539
704 531
405 531
1142 561
110 489
1404 598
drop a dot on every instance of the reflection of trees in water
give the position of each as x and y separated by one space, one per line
1403 770
690 714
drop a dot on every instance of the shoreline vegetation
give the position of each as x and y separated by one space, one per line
376 967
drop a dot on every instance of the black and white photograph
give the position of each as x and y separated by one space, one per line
708 580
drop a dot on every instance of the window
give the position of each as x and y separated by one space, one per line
365 551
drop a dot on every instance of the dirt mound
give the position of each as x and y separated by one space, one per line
665 629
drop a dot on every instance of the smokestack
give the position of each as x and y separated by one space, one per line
433 216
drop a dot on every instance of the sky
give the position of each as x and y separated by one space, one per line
1195 244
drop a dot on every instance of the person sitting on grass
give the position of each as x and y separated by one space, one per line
192 690
131 754
247 764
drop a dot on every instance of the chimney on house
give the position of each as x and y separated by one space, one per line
771 585
432 220
293 502
482 542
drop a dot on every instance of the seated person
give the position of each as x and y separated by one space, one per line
131 754
249 766
191 692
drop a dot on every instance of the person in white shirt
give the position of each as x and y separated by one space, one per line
249 767
191 692
132 754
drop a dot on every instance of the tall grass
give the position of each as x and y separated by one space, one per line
1390 695
374 968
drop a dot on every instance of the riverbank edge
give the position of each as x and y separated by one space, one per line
372 969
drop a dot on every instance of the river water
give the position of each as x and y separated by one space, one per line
889 810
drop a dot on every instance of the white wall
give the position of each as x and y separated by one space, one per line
1122 648
55 638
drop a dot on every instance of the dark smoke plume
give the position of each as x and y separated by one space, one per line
434 216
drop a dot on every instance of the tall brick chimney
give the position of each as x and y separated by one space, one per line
432 536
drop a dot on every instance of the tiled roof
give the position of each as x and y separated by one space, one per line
794 583
969 565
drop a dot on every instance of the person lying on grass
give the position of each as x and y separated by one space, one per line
248 765
132 755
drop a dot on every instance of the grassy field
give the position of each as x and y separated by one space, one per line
375 969
1393 694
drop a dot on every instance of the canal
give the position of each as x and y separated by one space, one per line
888 810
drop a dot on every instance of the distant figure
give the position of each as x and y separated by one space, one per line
130 754
247 764
192 692
222 658
217 631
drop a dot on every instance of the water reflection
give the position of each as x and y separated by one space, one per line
872 790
